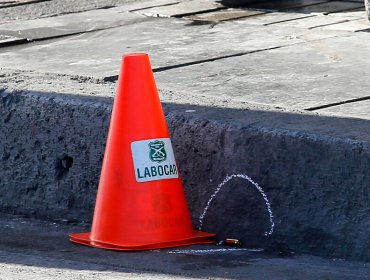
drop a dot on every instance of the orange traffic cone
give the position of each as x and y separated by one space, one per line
140 202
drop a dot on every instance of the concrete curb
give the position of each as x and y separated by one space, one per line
317 184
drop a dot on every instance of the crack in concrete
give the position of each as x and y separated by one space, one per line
191 63
29 40
287 20
8 5
200 12
334 23
337 103
154 6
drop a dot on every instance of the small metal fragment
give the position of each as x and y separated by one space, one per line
233 242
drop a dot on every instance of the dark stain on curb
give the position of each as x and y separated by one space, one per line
62 166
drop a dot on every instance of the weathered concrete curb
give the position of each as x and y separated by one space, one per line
317 185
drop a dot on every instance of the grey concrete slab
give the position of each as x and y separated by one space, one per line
275 18
352 21
317 21
330 7
30 247
353 26
12 3
358 109
98 54
62 7
69 24
283 5
228 14
139 5
39 82
301 77
355 14
182 8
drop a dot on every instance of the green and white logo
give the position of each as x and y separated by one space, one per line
154 160
157 151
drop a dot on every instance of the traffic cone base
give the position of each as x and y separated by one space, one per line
197 238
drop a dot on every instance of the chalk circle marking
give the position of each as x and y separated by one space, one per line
260 190
211 251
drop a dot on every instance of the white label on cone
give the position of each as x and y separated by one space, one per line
154 160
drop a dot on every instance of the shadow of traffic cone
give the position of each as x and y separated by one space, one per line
140 202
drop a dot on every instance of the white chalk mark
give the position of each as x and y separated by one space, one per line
211 251
245 177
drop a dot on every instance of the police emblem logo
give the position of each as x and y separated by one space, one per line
157 152
154 160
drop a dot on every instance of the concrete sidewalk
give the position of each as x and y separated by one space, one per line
278 96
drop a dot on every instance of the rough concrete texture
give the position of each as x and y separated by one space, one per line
97 54
302 77
31 248
52 147
312 168
57 7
